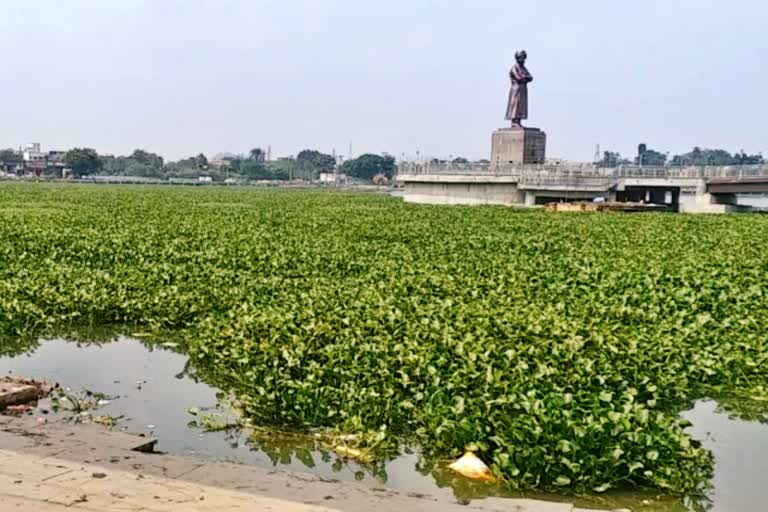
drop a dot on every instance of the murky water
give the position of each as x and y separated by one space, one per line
755 200
741 458
156 389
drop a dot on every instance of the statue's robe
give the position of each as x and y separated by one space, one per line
517 106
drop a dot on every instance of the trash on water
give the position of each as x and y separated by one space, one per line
471 466
107 420
356 454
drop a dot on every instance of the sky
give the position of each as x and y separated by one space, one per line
179 77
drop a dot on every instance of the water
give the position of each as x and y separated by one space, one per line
156 388
755 200
741 457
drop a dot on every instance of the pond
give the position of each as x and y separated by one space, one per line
153 389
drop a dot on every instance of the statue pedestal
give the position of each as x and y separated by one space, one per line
521 145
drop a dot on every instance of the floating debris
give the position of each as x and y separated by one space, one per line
79 407
355 454
107 420
471 466
584 206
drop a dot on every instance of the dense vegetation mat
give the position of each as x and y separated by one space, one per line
560 347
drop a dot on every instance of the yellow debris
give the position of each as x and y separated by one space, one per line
353 453
471 466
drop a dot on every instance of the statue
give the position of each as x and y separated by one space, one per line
518 144
517 106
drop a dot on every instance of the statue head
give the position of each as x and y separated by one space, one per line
521 56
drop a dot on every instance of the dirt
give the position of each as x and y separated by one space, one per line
19 395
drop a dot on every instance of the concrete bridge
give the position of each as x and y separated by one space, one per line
704 189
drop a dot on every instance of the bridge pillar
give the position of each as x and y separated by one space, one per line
704 202
530 198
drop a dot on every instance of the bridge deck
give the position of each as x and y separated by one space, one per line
738 185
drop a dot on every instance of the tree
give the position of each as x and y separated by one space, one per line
742 158
650 157
459 160
699 156
234 161
146 158
8 159
312 162
185 168
254 169
135 168
139 163
283 168
367 166
611 159
256 154
82 161
8 155
201 162
113 165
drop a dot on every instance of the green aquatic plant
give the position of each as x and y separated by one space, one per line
561 346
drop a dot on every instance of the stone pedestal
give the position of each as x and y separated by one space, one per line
518 146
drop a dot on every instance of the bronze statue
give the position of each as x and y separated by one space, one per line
517 106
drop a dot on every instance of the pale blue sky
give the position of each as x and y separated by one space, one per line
183 76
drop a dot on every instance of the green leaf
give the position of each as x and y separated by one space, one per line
606 396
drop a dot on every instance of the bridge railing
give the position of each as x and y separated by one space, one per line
565 180
693 172
583 171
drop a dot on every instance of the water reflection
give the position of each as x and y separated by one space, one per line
157 387
741 454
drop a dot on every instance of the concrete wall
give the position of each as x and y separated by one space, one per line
462 193
477 193
709 203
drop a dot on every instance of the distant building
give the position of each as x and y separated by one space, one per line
31 152
34 160
56 156
219 163
332 177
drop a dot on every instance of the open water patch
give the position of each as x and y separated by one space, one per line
153 389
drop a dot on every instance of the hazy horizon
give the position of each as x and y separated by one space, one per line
182 77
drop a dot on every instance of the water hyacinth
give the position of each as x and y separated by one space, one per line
561 347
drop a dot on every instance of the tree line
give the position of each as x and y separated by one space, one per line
697 156
306 165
